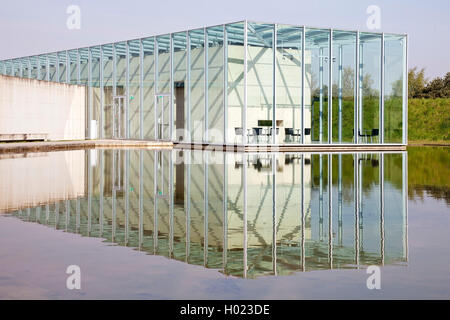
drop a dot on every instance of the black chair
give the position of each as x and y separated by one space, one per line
257 131
375 133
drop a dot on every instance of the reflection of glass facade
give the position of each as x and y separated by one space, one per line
243 213
240 83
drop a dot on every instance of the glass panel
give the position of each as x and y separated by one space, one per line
84 66
393 87
42 67
163 86
25 67
344 66
8 67
215 84
34 67
108 82
179 85
73 62
62 60
95 88
260 83
148 88
134 87
17 67
197 84
394 207
319 214
289 83
369 87
235 82
316 85
53 75
121 73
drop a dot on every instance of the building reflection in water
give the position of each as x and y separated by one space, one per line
245 214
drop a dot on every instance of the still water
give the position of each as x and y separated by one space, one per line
182 224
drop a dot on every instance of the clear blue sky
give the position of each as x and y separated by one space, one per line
35 26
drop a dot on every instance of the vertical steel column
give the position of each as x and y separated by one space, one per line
360 88
244 182
102 168
141 89
244 109
102 94
114 195
38 68
127 90
405 92
274 83
57 67
188 88
381 120
205 209
274 216
303 215
356 191
47 68
141 198
320 95
171 55
225 213
155 86
340 201
171 221
320 197
330 88
89 86
188 204
155 203
381 175
330 210
303 83
29 67
205 78
67 67
127 196
78 67
356 93
340 93
90 178
405 203
225 85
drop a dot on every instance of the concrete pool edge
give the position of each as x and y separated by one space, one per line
23 147
45 146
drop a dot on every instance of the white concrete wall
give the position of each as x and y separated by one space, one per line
33 106
41 178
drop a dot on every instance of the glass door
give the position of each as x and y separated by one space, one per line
162 117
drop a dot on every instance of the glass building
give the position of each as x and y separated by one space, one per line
242 83
244 214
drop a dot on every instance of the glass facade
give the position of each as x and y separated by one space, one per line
243 83
246 214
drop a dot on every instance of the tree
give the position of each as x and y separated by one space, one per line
416 82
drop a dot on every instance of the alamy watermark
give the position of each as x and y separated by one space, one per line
74 280
73 21
374 19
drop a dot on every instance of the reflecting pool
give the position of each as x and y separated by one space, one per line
208 224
